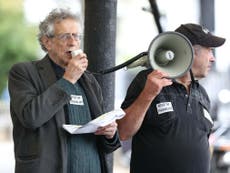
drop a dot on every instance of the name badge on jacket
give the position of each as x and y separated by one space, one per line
76 100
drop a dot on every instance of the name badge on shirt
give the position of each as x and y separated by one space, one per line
164 107
76 100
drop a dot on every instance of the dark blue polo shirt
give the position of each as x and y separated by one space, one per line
173 137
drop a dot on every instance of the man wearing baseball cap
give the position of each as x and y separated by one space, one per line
169 120
200 35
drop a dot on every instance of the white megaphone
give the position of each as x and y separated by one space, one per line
170 52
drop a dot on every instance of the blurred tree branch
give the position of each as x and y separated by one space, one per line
156 14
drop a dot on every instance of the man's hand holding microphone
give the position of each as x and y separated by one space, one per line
76 67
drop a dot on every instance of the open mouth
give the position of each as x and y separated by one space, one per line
68 53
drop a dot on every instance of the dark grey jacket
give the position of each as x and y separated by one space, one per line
37 112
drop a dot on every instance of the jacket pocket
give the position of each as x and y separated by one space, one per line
27 164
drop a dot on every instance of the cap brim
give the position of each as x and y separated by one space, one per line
212 41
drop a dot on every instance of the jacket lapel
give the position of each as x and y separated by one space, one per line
92 97
46 71
48 77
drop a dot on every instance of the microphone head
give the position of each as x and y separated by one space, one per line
76 52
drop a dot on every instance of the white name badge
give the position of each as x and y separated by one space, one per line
76 100
164 107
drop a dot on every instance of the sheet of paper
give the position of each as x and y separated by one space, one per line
92 126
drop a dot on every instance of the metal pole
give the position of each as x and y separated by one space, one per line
99 44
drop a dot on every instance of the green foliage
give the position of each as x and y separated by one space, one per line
17 40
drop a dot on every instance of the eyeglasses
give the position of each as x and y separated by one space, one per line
68 36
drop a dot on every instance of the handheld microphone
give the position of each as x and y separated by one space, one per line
76 52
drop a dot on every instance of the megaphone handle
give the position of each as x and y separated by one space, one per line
123 64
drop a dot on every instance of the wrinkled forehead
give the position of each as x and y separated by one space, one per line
67 25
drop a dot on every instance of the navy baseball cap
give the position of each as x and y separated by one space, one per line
200 35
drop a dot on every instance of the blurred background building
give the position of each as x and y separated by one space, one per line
136 28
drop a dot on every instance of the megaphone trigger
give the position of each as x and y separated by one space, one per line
142 61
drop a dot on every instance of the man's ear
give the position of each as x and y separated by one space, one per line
46 42
196 50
